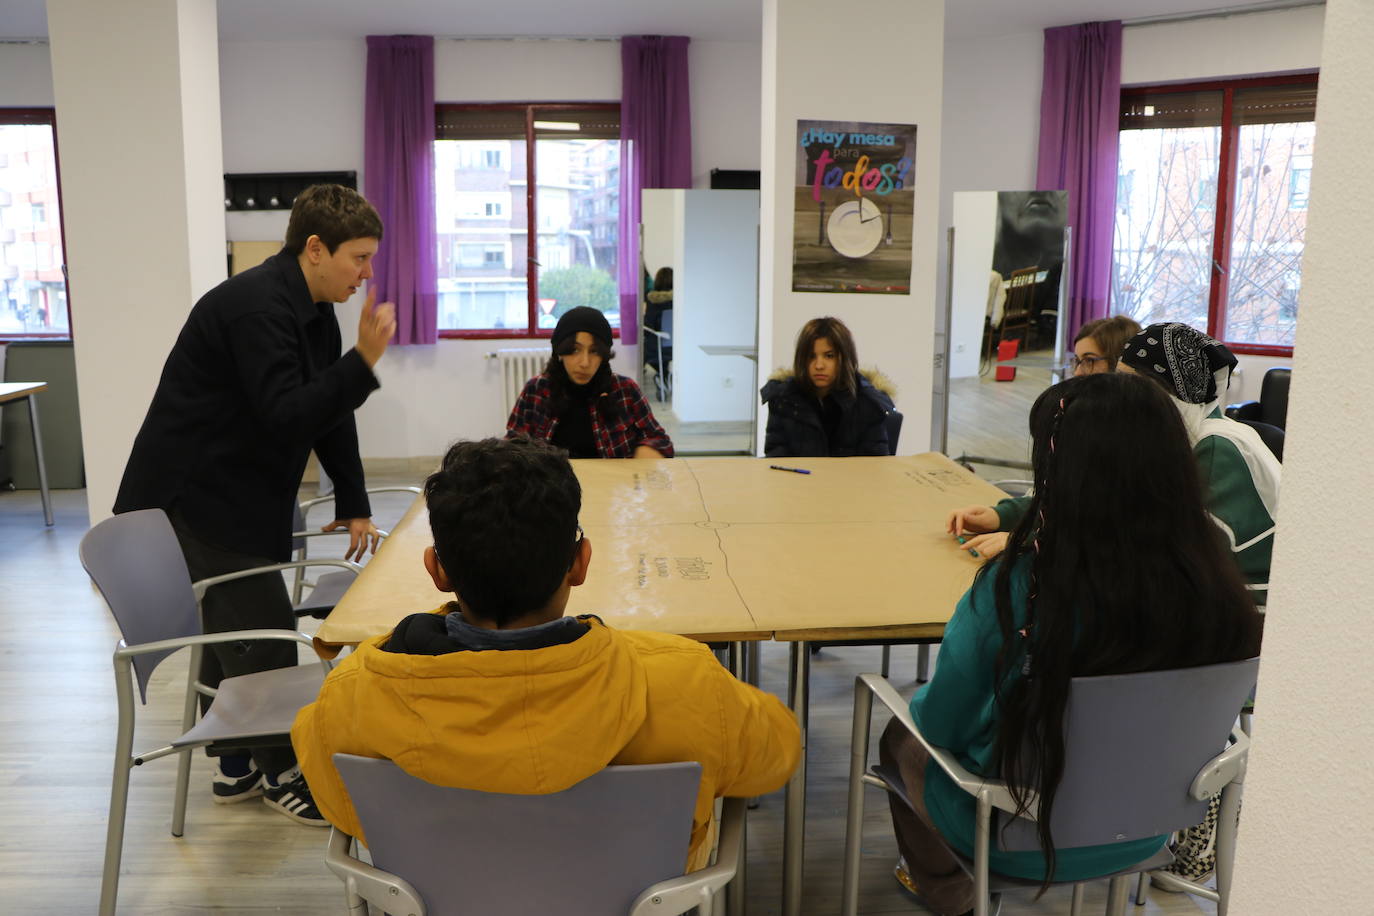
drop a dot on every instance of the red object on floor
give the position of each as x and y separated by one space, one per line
1006 350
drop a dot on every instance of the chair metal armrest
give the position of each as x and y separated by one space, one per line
308 504
124 650
200 587
1223 769
390 893
678 895
381 532
661 335
998 793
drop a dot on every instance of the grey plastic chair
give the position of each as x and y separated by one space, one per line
136 563
614 843
1141 760
317 598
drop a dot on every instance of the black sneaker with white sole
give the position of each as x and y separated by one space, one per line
289 795
236 779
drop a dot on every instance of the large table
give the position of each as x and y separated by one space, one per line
730 549
24 391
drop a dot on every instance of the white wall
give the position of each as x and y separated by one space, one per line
1307 796
901 83
715 301
1241 45
975 233
725 107
146 118
25 76
293 106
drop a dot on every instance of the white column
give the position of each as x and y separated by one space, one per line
1305 841
136 86
879 62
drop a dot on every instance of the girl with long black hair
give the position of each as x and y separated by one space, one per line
580 405
1115 568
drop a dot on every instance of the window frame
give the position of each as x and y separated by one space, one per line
48 116
1227 157
533 111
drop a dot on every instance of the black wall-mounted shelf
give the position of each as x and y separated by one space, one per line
276 190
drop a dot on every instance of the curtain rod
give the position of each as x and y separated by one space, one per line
526 37
1223 11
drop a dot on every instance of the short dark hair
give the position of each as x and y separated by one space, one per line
503 513
833 330
333 212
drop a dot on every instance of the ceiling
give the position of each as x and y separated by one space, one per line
703 19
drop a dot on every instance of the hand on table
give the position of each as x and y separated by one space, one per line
972 519
986 546
362 536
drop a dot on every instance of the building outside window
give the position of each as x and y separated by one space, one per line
1211 210
33 283
496 277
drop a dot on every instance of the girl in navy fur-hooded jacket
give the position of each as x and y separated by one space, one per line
824 406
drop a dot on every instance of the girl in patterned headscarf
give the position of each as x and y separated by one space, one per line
1240 478
1240 475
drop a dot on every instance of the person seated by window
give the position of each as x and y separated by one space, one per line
824 406
658 301
498 691
1098 344
580 405
1116 568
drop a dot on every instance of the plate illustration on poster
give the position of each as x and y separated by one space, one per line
854 206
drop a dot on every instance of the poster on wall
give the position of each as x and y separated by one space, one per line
854 203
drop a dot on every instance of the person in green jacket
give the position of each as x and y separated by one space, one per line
1240 474
1084 588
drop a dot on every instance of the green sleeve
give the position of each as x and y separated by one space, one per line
1235 503
1010 511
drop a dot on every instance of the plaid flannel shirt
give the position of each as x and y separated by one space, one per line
633 425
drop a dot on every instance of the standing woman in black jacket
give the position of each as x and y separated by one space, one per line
824 406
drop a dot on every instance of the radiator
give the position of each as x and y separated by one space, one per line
518 366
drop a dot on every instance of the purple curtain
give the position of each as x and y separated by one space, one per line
656 147
398 163
1080 105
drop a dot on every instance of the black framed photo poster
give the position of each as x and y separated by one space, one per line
855 197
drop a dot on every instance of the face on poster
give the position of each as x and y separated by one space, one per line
1030 234
854 204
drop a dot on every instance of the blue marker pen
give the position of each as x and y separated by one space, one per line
778 467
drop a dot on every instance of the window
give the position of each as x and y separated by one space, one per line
33 283
1211 210
496 276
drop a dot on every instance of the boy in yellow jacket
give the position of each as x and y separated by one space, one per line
498 691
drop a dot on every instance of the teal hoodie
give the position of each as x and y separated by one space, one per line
957 711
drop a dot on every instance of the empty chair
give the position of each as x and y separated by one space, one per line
1143 756
1272 406
136 563
317 598
614 843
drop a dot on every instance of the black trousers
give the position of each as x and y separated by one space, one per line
256 602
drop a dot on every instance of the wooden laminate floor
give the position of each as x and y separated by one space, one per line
57 720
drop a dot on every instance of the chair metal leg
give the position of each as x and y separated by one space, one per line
119 788
1076 902
188 719
1226 842
854 821
1118 891
752 663
923 663
1141 887
982 838
887 660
